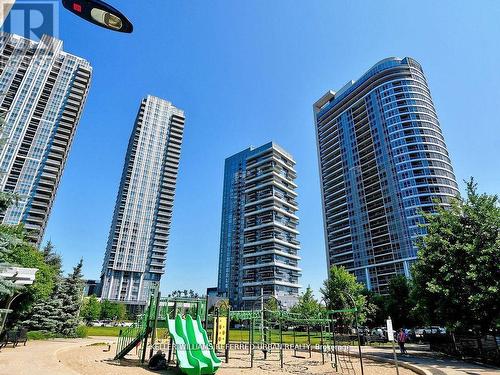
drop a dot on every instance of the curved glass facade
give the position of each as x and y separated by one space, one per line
382 159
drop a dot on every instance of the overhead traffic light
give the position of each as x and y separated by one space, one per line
99 13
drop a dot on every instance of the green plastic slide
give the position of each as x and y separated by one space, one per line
195 355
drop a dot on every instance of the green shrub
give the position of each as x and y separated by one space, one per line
41 335
82 332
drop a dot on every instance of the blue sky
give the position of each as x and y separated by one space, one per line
247 72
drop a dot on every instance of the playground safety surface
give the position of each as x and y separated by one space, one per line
92 360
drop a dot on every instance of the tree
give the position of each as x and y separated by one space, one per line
113 310
53 259
91 309
271 304
337 292
23 254
307 306
398 302
457 274
8 242
59 313
45 315
70 294
376 308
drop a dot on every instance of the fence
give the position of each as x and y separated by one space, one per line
484 349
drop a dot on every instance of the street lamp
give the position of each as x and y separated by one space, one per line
99 13
18 276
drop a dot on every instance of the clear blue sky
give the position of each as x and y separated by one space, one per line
247 72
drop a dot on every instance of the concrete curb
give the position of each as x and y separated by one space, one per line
409 366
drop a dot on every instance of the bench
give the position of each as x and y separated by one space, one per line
14 337
376 339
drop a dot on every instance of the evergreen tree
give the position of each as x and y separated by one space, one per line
52 258
45 314
59 313
70 295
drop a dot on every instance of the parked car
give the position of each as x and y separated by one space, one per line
419 333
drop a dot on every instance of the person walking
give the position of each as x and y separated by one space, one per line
401 340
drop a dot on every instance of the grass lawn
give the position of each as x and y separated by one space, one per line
104 331
235 335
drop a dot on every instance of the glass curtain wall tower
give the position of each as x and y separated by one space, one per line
258 246
42 93
382 159
138 239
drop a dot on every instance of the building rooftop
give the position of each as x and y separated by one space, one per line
333 97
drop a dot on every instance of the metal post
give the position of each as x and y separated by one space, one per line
9 304
206 313
216 328
228 323
251 346
294 343
264 350
170 349
359 340
155 324
390 336
322 349
146 333
281 340
309 340
395 357
249 327
262 328
334 346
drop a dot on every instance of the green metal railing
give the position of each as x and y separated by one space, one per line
133 335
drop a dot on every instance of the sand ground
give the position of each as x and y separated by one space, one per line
96 360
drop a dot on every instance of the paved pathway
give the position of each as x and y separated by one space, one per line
433 363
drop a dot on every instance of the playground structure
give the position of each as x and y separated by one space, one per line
197 339
269 333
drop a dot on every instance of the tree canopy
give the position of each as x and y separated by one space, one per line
91 309
457 274
113 310
337 292
307 306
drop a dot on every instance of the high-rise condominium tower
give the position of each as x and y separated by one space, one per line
382 159
42 93
258 245
138 239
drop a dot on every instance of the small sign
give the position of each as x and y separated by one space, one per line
390 330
